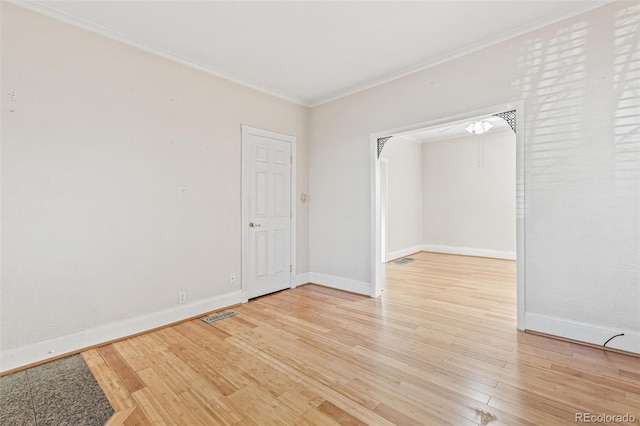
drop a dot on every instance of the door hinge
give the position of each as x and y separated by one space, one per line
291 159
290 213
290 268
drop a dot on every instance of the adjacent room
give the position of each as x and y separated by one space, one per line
451 189
203 203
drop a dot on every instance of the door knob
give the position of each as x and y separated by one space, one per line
254 225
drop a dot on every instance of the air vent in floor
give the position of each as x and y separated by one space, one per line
217 317
404 260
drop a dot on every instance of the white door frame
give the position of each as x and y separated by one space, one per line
384 210
246 131
377 266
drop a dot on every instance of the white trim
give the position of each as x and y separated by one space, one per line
301 279
43 9
294 218
584 332
74 342
245 131
377 272
541 23
384 210
521 194
391 256
340 283
377 266
470 251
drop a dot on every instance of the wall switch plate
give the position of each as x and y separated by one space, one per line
232 278
182 297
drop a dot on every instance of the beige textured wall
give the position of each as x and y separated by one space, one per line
470 203
97 140
404 203
581 162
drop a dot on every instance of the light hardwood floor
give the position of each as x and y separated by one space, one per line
440 347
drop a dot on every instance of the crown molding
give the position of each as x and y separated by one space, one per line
51 12
536 25
83 24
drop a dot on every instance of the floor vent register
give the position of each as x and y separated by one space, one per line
220 316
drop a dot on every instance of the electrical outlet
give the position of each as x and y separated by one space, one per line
232 278
182 297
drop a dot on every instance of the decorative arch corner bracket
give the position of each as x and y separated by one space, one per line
508 116
381 142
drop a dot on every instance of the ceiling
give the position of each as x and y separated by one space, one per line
306 51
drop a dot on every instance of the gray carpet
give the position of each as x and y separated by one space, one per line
61 392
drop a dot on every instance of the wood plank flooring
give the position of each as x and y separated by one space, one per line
439 347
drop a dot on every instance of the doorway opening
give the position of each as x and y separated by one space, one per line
477 136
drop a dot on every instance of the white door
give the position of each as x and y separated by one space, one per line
267 212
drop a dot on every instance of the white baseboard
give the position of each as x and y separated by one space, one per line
340 283
52 348
301 279
583 332
404 252
470 251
